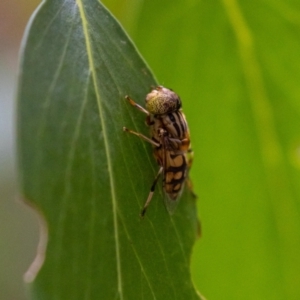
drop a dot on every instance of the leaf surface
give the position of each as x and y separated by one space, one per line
86 176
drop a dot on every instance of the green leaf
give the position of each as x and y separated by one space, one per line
86 176
236 66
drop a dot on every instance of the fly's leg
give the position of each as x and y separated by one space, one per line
141 136
158 174
149 123
151 193
140 108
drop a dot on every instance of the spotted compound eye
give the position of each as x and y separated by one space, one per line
162 100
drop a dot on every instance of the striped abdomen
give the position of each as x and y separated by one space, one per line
175 173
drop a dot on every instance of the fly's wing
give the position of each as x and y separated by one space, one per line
174 175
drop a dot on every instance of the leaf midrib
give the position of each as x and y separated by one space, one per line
105 139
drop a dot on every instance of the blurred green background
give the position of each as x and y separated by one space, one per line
236 67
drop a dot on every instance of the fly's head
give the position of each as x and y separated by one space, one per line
162 101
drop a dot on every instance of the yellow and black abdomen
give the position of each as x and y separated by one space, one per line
175 174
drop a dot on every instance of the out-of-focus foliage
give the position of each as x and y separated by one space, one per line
236 66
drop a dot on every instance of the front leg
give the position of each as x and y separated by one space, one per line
140 108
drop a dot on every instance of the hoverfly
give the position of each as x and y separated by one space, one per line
170 139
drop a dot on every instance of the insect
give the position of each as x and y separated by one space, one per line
170 139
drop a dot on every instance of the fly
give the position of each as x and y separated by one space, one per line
170 139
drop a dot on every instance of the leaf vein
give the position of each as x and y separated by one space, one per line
106 144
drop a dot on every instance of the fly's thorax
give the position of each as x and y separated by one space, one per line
177 128
175 124
162 100
171 127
